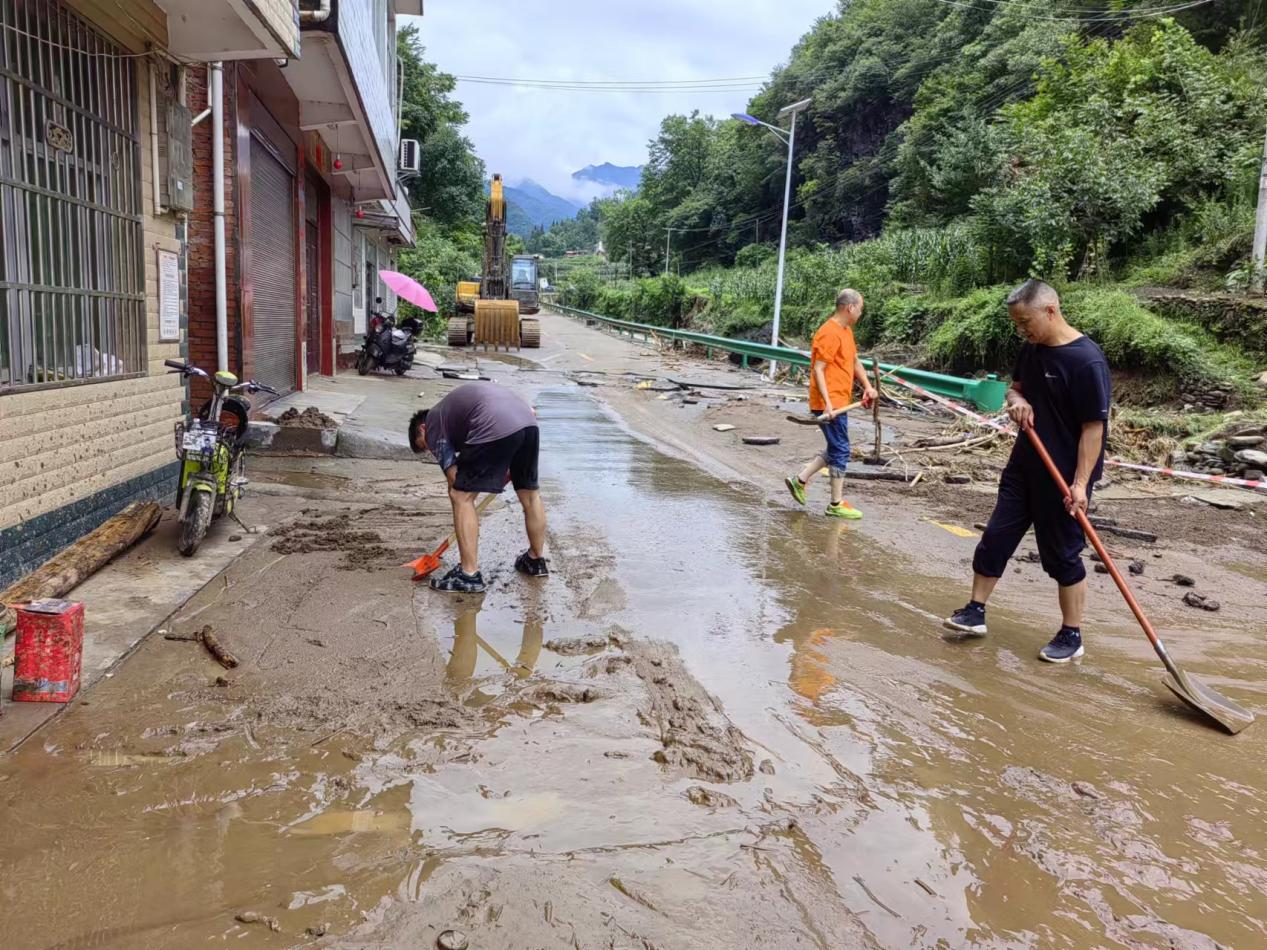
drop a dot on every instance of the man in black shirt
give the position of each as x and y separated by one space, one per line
1061 387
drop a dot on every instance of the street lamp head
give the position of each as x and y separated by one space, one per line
744 117
795 108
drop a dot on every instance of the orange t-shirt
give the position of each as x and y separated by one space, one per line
833 345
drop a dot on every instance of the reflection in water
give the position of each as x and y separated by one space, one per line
468 645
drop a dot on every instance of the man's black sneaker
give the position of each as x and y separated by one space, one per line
1065 646
532 566
969 620
457 581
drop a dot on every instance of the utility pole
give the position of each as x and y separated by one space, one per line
1258 257
667 233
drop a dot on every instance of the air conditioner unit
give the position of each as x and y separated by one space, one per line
410 156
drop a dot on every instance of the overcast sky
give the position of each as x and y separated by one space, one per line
547 135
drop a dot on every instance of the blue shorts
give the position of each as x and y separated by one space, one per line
836 433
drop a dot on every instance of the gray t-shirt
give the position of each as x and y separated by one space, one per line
474 414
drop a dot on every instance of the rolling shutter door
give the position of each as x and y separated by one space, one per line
272 269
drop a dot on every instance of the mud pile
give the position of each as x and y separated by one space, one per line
310 418
696 738
361 550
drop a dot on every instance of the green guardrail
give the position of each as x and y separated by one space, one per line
986 393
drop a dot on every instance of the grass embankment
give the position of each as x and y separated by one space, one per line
932 301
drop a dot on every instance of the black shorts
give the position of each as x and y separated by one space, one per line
484 467
1030 498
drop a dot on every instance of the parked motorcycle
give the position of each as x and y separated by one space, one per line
388 346
212 451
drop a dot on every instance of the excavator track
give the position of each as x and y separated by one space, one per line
459 331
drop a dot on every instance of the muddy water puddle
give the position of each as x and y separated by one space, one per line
885 785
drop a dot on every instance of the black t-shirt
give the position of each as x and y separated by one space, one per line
1067 386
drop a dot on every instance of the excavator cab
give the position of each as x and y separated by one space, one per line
524 270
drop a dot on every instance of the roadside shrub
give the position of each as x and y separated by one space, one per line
1135 338
975 334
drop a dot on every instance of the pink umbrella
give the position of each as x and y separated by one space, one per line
409 289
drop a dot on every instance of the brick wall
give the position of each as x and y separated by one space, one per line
201 233
281 18
65 445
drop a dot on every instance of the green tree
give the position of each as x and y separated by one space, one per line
1119 131
449 187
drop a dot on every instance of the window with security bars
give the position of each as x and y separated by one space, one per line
72 280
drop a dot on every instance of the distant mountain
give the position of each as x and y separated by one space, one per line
614 176
530 205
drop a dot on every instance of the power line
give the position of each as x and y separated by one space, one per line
610 82
1106 16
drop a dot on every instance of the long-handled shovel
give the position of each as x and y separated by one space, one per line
1192 691
427 563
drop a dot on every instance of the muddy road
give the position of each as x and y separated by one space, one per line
721 723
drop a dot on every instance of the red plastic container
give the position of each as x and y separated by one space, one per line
49 651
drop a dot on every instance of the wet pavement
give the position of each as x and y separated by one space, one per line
859 779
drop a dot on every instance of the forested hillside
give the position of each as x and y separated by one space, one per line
953 148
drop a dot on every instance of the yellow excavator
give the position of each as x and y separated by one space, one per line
491 311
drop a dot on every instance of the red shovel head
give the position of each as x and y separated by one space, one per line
427 563
423 566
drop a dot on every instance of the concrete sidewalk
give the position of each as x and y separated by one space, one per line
130 597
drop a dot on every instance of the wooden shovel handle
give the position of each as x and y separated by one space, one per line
1100 550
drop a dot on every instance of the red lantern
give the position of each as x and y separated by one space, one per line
338 164
360 213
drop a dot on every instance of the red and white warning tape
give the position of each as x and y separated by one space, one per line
1116 463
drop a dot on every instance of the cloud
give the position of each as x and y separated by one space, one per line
547 135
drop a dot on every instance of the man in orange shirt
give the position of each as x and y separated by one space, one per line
834 365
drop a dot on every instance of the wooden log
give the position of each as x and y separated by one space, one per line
66 570
957 443
867 476
875 408
208 637
1131 533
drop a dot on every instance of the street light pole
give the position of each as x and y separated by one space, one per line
667 233
1259 251
790 138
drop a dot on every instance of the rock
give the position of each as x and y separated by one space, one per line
723 427
1136 567
1226 499
248 917
318 931
452 940
958 479
1183 580
1251 441
1101 569
760 440
1252 457
1087 790
1196 600
235 537
766 767
222 681
1255 475
1214 449
1261 381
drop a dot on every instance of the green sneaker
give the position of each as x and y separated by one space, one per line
844 511
796 488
